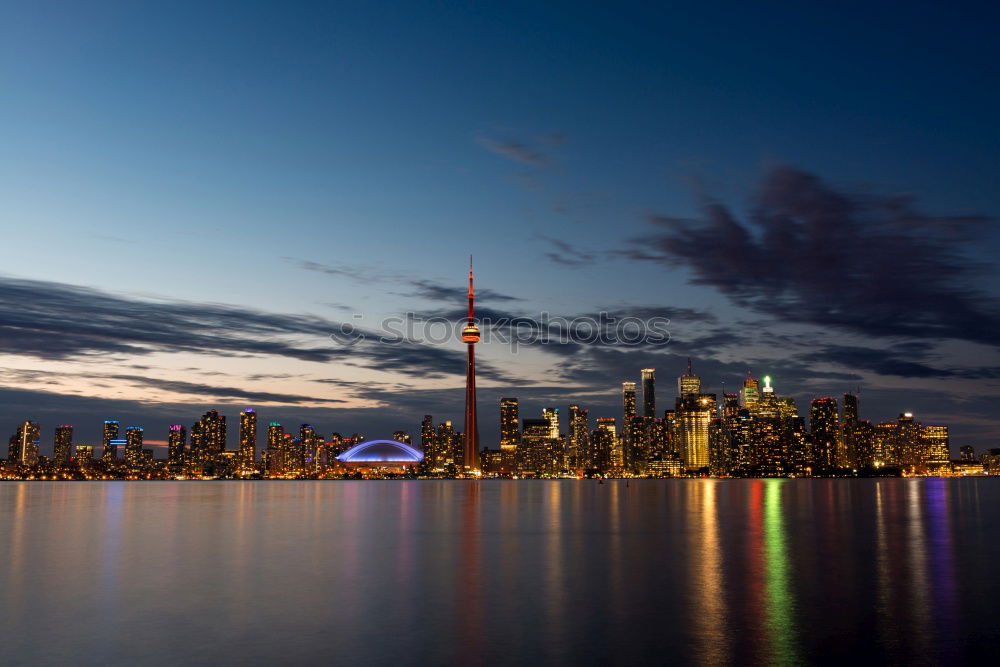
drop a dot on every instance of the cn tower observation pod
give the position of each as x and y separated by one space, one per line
382 452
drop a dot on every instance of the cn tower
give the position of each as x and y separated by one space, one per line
470 336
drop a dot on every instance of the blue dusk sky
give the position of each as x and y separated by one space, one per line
195 196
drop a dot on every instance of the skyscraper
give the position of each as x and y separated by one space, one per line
824 425
308 443
176 440
848 453
62 446
110 453
540 454
509 434
552 416
579 433
275 449
937 452
648 392
208 439
248 440
750 394
133 447
427 433
909 442
628 400
470 336
694 414
688 384
25 443
603 442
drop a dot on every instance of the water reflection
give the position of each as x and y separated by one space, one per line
685 571
942 560
780 600
917 556
711 619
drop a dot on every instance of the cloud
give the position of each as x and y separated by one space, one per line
55 321
567 254
514 150
901 361
854 262
417 287
220 393
433 291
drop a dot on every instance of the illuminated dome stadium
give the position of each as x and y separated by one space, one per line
382 452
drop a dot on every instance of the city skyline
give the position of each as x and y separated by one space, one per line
752 399
193 227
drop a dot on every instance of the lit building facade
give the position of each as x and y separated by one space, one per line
62 446
648 392
248 441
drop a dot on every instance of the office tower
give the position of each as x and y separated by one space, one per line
552 416
772 406
688 384
603 441
428 444
295 454
730 405
824 426
450 447
248 440
25 444
848 454
628 438
491 461
579 432
176 440
133 448
84 455
909 442
275 450
541 454
694 414
208 440
863 441
936 446
214 432
885 445
470 336
307 441
510 435
402 436
723 443
967 453
628 400
62 446
109 454
427 434
722 459
648 392
850 408
750 394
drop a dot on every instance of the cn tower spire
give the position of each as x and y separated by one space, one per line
470 336
472 294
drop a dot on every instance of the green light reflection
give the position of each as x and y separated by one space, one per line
780 599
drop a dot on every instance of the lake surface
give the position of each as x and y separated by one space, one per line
449 572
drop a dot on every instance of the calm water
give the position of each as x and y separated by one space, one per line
695 571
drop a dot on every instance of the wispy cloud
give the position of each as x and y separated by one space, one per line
567 254
56 321
517 151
